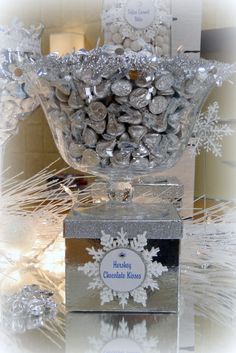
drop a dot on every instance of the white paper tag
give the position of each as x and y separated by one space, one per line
140 14
122 345
122 270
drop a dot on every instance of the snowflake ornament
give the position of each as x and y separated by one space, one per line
209 132
153 269
123 334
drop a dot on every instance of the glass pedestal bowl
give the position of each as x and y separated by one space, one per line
120 115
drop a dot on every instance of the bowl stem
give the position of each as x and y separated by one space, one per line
120 191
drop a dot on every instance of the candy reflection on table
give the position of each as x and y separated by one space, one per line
123 333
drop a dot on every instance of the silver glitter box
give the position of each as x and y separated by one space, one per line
82 230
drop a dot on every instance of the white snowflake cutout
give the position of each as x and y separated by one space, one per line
138 245
209 132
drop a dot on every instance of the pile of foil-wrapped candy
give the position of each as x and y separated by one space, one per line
17 45
27 309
